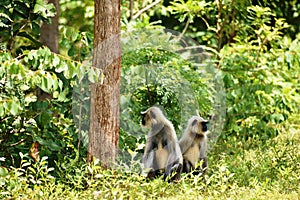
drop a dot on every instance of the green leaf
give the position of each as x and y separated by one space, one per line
55 94
63 95
54 147
44 84
6 16
36 28
43 8
3 172
28 36
50 82
21 8
61 67
72 34
1 110
14 108
30 98
41 105
24 87
55 82
44 118
55 62
21 155
44 158
14 68
71 71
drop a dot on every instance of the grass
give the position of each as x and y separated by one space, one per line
237 170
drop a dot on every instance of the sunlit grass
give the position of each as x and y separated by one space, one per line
237 170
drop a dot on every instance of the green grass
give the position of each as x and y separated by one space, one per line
237 170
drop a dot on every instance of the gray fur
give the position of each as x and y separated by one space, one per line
162 151
193 145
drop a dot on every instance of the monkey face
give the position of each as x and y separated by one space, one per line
149 116
200 125
146 120
143 118
204 125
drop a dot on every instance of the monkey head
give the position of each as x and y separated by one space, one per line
198 125
151 116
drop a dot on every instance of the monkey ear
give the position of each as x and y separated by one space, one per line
194 122
143 112
152 114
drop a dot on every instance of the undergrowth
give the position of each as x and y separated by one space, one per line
249 169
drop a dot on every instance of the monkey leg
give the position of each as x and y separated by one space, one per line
204 164
173 172
154 174
187 166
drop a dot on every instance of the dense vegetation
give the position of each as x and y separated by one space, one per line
244 76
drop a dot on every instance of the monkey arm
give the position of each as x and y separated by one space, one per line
174 162
148 159
185 143
203 155
148 154
149 145
203 147
149 142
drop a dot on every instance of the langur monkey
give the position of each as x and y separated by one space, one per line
162 151
193 145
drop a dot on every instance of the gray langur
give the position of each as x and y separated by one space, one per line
193 145
162 152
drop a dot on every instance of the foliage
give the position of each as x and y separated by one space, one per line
288 10
250 47
188 10
76 45
260 70
37 85
261 172
215 23
252 57
20 23
28 116
77 10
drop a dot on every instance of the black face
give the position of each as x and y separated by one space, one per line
144 119
204 126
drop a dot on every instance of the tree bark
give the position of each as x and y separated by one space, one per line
49 32
105 95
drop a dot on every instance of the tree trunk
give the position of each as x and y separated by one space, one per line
131 9
49 32
105 95
49 37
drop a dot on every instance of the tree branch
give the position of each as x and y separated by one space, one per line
145 9
185 28
19 142
131 9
